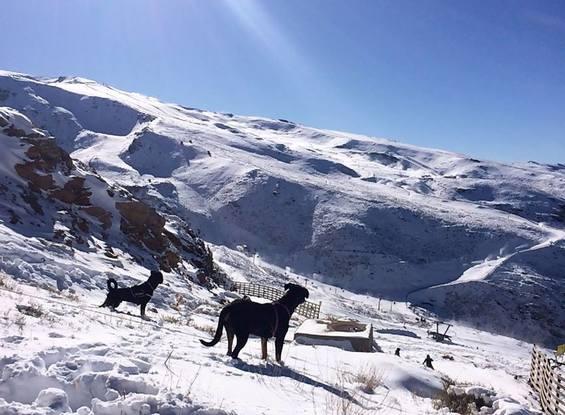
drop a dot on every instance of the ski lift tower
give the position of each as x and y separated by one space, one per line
439 336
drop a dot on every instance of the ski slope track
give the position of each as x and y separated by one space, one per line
472 240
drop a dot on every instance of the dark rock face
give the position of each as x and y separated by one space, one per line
44 158
103 216
143 225
73 192
139 218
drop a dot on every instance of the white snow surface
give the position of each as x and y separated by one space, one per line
75 357
355 218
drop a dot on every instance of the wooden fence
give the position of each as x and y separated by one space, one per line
548 380
307 309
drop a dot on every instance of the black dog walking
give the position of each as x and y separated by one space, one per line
244 317
139 294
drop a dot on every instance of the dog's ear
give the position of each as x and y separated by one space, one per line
306 292
287 286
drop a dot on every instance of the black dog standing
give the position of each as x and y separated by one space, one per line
244 317
139 294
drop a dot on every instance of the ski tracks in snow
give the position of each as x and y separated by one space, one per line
483 270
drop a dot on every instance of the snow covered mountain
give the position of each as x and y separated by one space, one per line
58 209
478 241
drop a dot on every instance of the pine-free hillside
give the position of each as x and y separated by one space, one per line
67 213
469 239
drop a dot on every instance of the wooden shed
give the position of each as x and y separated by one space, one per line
346 334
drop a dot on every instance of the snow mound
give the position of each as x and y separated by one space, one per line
420 382
53 398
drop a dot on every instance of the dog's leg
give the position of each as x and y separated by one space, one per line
229 333
143 316
279 342
241 341
264 348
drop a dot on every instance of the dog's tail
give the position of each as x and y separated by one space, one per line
112 284
219 330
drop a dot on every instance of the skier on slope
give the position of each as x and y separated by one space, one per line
428 362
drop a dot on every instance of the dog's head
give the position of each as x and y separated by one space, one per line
299 293
156 277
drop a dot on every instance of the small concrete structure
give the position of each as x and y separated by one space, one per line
346 334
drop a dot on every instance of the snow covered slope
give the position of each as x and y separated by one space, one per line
59 354
366 214
59 217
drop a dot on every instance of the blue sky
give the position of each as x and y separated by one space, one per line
485 78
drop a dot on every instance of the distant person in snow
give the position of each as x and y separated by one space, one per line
428 361
397 352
